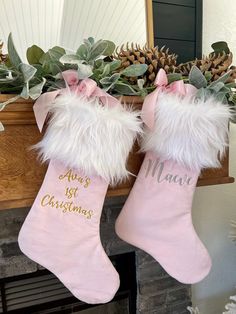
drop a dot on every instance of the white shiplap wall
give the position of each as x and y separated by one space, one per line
117 20
31 22
67 22
215 206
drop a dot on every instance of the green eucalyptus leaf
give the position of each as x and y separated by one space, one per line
71 59
96 75
8 63
233 117
172 77
106 70
107 87
105 81
135 70
91 40
45 58
36 91
221 97
46 67
109 82
28 71
55 68
114 65
9 101
4 74
232 98
110 79
54 85
99 63
110 48
10 89
82 52
25 91
34 54
2 106
208 75
13 55
3 68
231 85
144 93
225 90
6 80
196 78
222 79
52 54
124 89
40 71
84 71
98 68
140 83
58 76
56 52
98 50
114 77
216 87
1 127
7 76
220 47
203 93
88 43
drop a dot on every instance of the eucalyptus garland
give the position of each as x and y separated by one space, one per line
96 60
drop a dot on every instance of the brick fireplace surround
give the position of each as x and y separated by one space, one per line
157 292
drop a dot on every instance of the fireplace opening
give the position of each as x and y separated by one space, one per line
42 293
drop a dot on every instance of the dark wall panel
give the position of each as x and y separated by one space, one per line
174 21
178 25
188 3
184 49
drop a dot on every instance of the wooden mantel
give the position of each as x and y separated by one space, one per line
21 174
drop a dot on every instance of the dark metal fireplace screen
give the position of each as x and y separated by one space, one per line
41 292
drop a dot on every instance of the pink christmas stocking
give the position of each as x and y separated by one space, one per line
87 143
187 136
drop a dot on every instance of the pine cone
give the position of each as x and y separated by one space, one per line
154 57
3 58
217 65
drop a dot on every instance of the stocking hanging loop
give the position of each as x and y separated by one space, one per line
161 83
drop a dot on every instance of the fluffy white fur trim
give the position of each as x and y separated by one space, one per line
90 136
191 132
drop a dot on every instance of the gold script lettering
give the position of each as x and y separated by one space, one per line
70 176
43 200
49 200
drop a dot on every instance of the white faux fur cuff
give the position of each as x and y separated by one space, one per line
191 132
89 136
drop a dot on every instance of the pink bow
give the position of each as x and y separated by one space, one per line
86 87
161 83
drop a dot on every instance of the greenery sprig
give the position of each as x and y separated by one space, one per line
105 71
43 71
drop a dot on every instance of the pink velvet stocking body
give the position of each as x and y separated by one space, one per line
61 232
157 219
